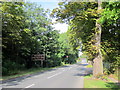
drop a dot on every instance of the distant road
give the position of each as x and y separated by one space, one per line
70 76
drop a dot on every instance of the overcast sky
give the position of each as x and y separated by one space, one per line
51 4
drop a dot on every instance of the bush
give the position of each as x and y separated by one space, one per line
9 67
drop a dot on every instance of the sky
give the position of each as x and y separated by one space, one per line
51 4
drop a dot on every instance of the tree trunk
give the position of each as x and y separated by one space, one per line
98 63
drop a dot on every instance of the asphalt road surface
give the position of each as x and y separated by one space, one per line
70 76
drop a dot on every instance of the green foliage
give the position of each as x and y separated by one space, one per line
67 49
89 66
13 19
26 31
10 68
89 82
82 18
110 35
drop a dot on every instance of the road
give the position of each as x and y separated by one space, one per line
70 76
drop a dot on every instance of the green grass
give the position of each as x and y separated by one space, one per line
89 66
28 72
90 82
78 60
25 72
63 63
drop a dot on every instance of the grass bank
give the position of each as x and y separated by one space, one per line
89 66
28 72
90 82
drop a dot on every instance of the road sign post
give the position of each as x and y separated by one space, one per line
38 57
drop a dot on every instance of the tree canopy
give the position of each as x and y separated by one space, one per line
95 26
27 30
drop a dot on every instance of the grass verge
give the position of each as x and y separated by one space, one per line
28 72
89 66
25 72
90 82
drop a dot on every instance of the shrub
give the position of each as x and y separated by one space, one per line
10 67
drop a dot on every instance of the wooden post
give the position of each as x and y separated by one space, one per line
41 63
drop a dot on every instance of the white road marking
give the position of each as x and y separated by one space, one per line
30 85
54 75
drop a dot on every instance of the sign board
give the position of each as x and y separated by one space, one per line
38 57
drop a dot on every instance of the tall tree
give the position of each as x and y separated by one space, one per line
26 30
98 61
67 49
82 17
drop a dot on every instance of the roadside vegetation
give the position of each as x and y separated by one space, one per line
94 29
102 82
27 30
25 72
89 66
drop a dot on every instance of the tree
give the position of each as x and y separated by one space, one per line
67 49
26 31
97 27
110 35
98 61
44 37
13 19
82 17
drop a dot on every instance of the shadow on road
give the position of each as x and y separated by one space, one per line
51 69
84 71
64 66
80 74
16 81
82 64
